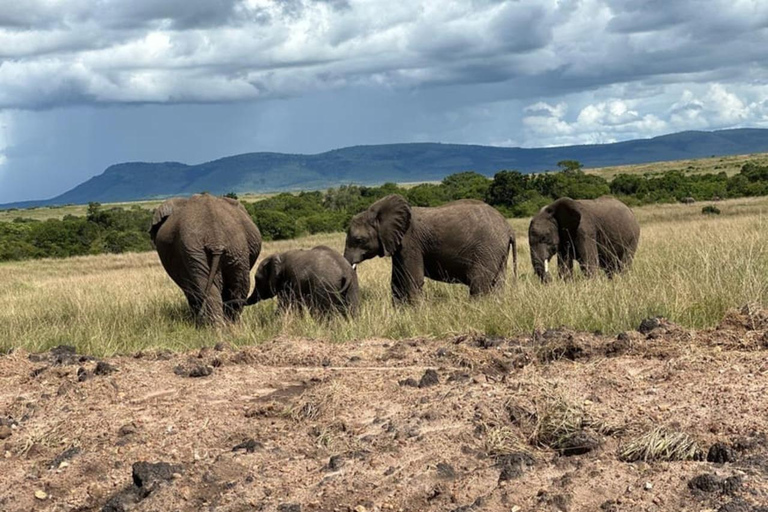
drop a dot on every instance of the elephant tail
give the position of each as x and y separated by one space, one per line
513 243
215 263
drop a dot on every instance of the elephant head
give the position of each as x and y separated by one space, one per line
268 277
555 225
379 230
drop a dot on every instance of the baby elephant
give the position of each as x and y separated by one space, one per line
319 279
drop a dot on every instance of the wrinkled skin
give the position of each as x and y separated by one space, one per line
460 242
598 233
208 245
319 279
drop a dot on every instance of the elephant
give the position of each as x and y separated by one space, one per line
598 233
464 241
319 279
208 246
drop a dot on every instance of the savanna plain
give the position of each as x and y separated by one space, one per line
644 392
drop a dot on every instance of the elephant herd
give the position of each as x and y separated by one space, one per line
208 245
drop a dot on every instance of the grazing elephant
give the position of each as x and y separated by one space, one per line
598 233
319 279
208 246
460 242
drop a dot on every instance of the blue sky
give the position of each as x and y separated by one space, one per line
88 83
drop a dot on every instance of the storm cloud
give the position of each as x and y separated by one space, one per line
311 75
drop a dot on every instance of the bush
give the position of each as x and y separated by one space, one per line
710 210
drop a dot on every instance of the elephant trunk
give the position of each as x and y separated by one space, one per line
540 263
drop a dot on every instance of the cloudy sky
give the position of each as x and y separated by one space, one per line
88 83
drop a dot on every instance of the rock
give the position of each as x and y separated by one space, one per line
250 445
200 371
148 474
430 378
720 453
5 432
64 456
409 382
649 324
82 374
289 507
446 471
127 429
706 482
514 465
104 368
335 463
41 495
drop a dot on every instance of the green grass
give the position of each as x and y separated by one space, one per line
689 268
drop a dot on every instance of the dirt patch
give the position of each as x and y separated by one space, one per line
535 422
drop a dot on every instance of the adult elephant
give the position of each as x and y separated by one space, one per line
319 279
463 241
598 233
208 245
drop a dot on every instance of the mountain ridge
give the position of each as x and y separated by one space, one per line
375 164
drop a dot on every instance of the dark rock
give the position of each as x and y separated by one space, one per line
5 432
289 507
731 485
335 463
82 374
127 429
610 506
147 475
104 368
409 382
430 378
445 471
738 506
578 444
489 341
200 371
513 465
65 455
706 482
250 445
37 371
63 354
649 324
720 453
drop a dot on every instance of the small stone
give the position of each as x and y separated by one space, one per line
41 495
430 378
720 453
104 368
648 486
250 445
5 432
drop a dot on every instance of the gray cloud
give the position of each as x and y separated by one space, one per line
515 72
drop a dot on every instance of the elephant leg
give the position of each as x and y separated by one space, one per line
206 308
586 252
482 281
565 265
407 276
237 282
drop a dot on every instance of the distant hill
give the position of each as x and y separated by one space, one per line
369 165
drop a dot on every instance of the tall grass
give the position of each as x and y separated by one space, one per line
689 267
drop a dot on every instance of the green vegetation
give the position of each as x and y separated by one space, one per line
286 216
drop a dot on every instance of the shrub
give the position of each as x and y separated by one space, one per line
710 210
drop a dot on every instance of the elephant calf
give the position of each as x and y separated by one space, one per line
598 233
463 241
319 279
208 245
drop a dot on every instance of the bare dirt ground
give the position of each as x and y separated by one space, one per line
551 421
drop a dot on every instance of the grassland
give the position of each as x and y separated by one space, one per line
690 268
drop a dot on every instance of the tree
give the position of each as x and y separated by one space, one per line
570 166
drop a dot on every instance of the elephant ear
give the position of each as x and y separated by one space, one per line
393 217
567 214
162 212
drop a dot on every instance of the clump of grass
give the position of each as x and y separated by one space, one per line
501 440
324 400
660 444
558 422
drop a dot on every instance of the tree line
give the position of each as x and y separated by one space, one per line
284 216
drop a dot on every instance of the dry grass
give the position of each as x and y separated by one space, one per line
660 444
558 420
728 164
689 268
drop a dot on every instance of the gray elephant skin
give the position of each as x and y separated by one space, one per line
598 233
319 279
208 245
463 241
